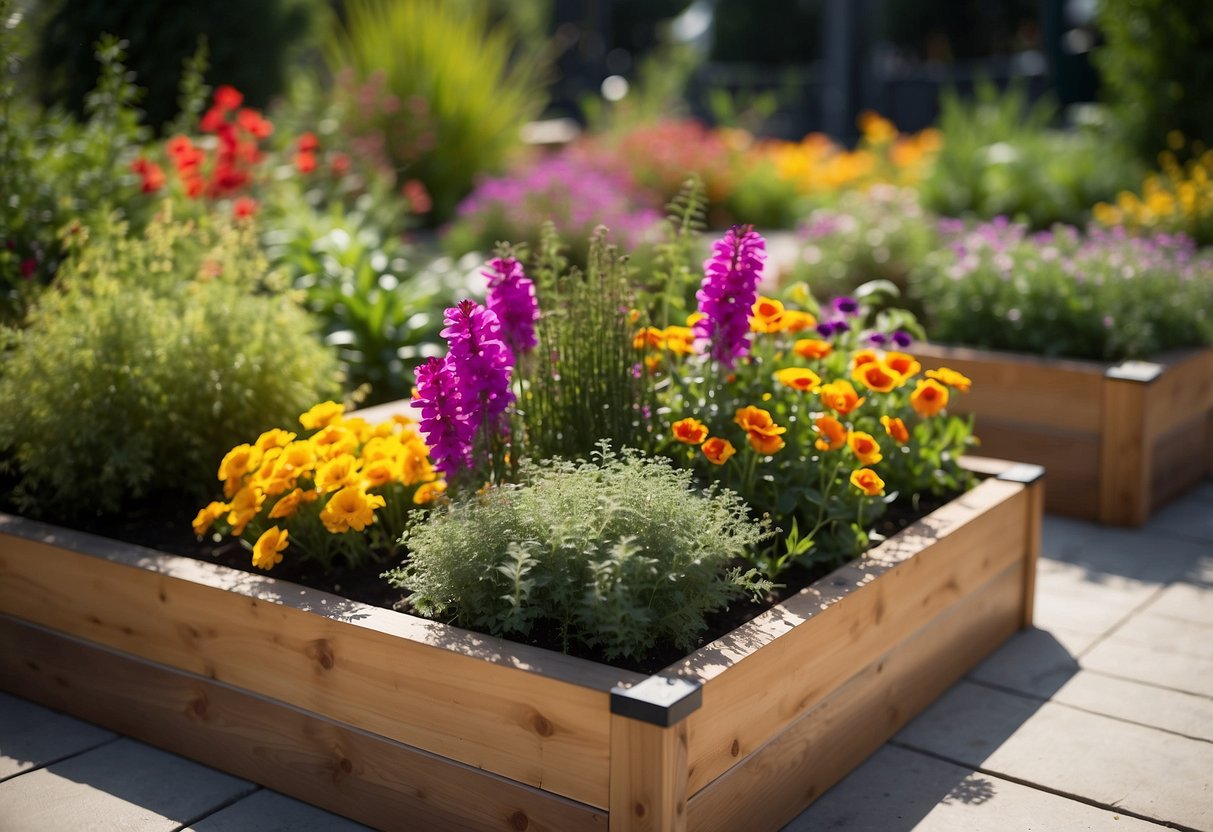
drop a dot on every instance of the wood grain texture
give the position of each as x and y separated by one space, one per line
1125 457
820 638
781 778
648 776
361 776
528 714
1182 392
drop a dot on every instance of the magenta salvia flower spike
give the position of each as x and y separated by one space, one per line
729 290
511 297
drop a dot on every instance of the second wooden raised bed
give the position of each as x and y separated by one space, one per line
1118 440
403 723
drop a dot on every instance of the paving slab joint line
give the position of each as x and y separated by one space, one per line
1148 683
1111 631
58 760
226 804
1170 824
1034 697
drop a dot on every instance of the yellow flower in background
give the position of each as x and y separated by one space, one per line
359 427
718 450
334 440
865 447
868 481
876 128
929 397
276 438
679 340
297 458
877 376
694 318
350 508
381 472
765 443
766 315
903 364
290 503
833 434
813 348
952 378
239 461
338 472
799 378
840 396
428 492
381 447
415 464
690 431
796 320
207 516
896 429
322 415
648 338
244 507
267 551
861 357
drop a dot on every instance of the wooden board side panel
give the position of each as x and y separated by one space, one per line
1072 460
648 776
1030 391
754 700
346 771
1182 393
1125 458
1181 459
522 725
773 785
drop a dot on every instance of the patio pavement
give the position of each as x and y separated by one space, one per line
1101 717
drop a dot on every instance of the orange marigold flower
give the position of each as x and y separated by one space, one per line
267 551
690 431
877 376
840 396
833 434
799 378
428 492
812 348
756 420
679 340
903 363
862 357
929 397
865 447
867 481
766 315
765 444
718 450
896 429
796 320
650 337
951 378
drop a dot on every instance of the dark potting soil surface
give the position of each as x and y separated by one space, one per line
165 525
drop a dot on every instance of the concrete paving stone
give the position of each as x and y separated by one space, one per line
1183 713
1189 516
898 789
1184 601
32 736
1127 660
1089 609
1033 661
1141 554
1113 763
124 786
267 811
1168 635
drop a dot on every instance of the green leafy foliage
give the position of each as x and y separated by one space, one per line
157 353
1000 157
621 554
465 75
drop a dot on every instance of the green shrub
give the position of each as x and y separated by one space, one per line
620 555
451 68
158 354
999 157
1157 64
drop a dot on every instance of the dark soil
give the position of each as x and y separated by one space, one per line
165 525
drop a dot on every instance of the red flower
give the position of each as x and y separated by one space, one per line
228 98
340 163
151 175
28 266
211 120
252 121
305 161
419 198
244 207
308 142
194 186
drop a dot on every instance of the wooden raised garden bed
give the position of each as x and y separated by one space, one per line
403 723
1118 440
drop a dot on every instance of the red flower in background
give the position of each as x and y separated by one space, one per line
244 206
151 175
419 198
228 97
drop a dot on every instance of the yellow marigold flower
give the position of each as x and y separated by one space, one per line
951 378
380 472
796 320
428 492
322 415
929 397
813 348
865 447
878 376
896 429
756 420
718 450
267 551
695 317
679 340
650 337
338 472
289 503
415 464
690 431
276 438
766 315
297 458
244 507
903 364
206 517
359 427
867 481
876 128
350 508
862 357
333 441
840 396
652 363
633 315
381 447
833 434
799 378
239 461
